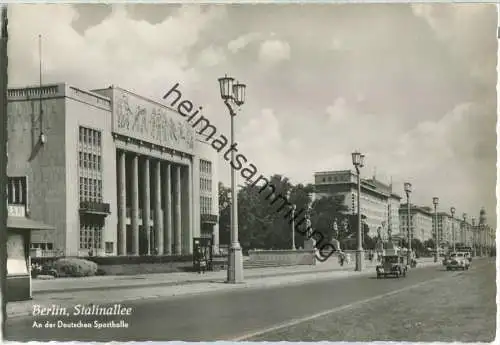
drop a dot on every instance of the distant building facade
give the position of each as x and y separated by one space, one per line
378 202
421 224
114 172
445 226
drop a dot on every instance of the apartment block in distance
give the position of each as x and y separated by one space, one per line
421 222
379 204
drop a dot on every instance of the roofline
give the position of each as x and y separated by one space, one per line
332 171
138 96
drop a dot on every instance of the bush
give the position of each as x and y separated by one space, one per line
74 267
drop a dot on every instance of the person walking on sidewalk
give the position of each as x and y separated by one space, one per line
341 258
201 262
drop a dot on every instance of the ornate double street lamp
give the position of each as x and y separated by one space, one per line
233 95
407 187
452 210
358 160
294 207
435 201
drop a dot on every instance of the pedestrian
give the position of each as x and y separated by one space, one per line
199 259
342 259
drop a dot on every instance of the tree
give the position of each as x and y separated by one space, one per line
224 213
325 211
429 244
418 246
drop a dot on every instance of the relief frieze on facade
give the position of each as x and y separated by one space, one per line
140 119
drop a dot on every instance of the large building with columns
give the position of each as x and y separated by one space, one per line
113 172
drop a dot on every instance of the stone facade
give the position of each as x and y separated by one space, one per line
107 161
420 221
378 202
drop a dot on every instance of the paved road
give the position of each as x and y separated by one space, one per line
222 316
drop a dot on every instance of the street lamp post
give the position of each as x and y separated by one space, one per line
481 239
310 243
233 95
435 201
452 210
466 230
288 193
358 162
474 235
407 187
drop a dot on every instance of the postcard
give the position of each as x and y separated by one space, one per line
248 172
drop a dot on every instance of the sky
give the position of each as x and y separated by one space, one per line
413 87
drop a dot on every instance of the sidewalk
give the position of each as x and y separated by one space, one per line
207 284
41 286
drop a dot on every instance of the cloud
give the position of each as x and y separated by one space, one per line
439 156
211 56
262 142
242 41
338 111
273 51
413 87
452 24
131 53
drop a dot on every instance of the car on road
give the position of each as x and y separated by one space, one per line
458 261
392 265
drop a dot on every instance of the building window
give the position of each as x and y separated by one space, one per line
205 205
90 234
89 161
17 192
42 245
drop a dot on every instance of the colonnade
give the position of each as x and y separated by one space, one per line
158 194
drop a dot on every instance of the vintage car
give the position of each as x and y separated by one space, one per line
392 265
458 261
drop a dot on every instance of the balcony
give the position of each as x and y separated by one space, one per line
209 218
96 208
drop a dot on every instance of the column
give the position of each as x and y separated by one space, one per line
14 193
158 213
186 209
20 190
134 221
167 209
189 178
177 198
122 208
146 202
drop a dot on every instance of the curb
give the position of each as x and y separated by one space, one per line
192 281
183 282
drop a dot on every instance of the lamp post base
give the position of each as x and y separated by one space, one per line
360 259
235 265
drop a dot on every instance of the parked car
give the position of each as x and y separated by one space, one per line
458 261
392 265
47 269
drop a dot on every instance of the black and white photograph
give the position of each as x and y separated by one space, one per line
255 172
